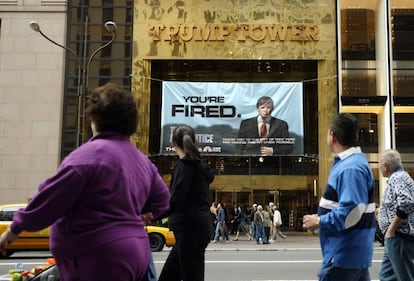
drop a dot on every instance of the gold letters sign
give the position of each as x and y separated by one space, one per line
242 32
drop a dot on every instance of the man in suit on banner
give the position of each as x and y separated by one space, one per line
265 135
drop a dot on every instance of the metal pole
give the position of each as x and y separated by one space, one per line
82 71
111 27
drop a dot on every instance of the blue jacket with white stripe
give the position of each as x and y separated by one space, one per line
347 212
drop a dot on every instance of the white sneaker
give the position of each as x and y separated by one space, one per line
214 241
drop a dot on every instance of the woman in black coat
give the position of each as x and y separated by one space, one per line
189 215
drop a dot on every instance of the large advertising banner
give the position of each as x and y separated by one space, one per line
235 118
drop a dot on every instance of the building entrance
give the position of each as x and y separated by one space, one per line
293 204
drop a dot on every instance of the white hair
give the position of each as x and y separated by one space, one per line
391 158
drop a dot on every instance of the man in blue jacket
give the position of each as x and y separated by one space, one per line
346 214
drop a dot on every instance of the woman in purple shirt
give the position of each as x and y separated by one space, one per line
95 201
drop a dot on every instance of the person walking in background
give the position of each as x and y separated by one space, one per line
234 220
272 228
189 215
253 232
259 225
96 200
346 214
213 215
221 228
243 225
396 219
277 223
267 223
264 126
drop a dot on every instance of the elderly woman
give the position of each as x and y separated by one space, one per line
95 201
396 219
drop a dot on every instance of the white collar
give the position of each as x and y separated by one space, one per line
346 153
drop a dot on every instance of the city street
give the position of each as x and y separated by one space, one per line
295 258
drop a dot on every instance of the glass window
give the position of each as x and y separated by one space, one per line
86 33
358 48
357 32
368 132
404 133
402 36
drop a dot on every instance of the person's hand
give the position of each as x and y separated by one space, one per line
266 150
147 218
389 234
311 222
6 237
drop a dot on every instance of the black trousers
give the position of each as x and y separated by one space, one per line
186 259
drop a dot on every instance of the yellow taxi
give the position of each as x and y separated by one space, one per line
160 236
39 241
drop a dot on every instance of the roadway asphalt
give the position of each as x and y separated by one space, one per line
294 240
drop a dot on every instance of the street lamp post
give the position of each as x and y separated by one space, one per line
82 72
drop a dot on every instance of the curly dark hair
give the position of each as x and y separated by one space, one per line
112 109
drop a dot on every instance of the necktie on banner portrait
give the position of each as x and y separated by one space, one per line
263 130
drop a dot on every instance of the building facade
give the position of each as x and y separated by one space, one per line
351 56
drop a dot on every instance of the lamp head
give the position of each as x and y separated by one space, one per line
34 25
110 26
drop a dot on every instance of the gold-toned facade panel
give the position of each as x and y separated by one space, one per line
262 182
235 30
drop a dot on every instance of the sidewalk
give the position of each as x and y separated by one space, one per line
294 240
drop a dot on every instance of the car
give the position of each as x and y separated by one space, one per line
159 236
27 241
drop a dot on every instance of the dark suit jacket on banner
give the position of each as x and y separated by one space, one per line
278 129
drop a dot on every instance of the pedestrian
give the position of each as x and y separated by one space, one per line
189 215
272 228
267 223
221 228
243 225
96 199
253 232
396 219
213 216
234 222
346 214
259 226
277 223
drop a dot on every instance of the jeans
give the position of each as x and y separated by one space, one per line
253 226
398 261
260 234
221 231
328 272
